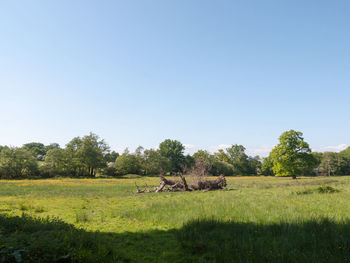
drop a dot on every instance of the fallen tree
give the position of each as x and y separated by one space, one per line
198 175
167 185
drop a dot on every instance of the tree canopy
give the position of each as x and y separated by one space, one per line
172 150
292 156
17 163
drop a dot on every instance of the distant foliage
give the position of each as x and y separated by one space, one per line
241 163
127 164
334 163
152 162
56 164
266 166
221 167
87 154
111 156
173 151
39 150
17 163
90 156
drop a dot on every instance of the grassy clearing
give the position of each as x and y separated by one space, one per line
254 219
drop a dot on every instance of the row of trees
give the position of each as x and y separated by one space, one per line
90 156
81 157
170 158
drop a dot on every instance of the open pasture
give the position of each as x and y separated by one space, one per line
254 219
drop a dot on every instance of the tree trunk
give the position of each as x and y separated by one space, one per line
182 186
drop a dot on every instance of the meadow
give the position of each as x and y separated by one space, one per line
254 219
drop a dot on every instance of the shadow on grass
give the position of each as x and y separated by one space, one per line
27 239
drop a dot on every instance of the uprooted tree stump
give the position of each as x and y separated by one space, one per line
182 186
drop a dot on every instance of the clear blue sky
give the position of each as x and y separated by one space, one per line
207 73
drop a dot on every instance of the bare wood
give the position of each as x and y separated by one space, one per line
160 187
176 186
184 183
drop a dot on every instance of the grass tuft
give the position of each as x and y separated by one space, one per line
24 207
82 216
304 192
326 189
39 209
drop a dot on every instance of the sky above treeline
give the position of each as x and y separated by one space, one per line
207 73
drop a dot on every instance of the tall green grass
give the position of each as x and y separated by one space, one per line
255 219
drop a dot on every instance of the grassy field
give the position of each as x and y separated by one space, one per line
255 219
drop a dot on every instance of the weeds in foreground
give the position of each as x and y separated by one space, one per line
24 207
39 209
304 192
326 189
82 216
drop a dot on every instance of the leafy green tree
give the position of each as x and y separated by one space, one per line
139 151
235 155
17 163
205 157
111 157
56 163
292 156
222 155
230 161
87 154
222 168
173 151
266 166
73 158
318 158
37 149
215 164
92 152
153 162
332 164
189 161
52 146
109 170
127 164
253 165
345 155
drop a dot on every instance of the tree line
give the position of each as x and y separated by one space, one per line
90 156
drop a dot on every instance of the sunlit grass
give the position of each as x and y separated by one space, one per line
110 205
246 199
